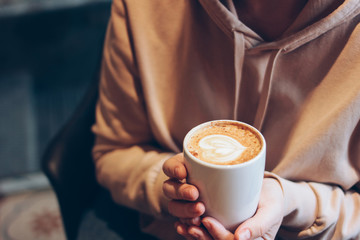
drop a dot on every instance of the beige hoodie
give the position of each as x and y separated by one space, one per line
170 65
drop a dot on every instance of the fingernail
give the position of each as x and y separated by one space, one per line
194 232
198 208
176 224
206 224
179 229
189 193
244 234
196 221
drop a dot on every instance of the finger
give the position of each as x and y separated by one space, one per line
216 229
191 221
180 191
182 229
175 168
199 233
182 209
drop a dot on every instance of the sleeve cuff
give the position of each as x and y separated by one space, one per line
300 203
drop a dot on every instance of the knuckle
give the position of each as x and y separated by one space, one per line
178 194
171 167
190 210
183 191
194 209
189 192
171 190
176 171
166 170
184 209
166 190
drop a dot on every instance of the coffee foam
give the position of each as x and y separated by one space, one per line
225 143
220 148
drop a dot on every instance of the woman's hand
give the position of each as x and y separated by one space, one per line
269 215
263 225
183 203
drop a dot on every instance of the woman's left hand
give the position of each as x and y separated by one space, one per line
263 225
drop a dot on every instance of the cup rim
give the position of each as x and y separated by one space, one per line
212 165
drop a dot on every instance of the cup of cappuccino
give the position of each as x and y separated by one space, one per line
225 160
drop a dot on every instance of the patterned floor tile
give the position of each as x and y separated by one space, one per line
30 215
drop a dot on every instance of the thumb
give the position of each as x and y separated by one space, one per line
260 226
268 217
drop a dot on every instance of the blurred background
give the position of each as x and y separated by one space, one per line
49 50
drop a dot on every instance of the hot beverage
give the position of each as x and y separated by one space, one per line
225 143
225 160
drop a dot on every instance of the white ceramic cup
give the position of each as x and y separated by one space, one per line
230 192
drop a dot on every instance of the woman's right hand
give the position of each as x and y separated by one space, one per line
184 196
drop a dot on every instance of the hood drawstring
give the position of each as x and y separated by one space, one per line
265 91
213 7
239 55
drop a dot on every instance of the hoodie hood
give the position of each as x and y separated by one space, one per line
316 18
313 21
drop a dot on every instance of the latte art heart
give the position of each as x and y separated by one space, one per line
220 148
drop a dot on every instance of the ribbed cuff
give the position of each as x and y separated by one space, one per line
300 203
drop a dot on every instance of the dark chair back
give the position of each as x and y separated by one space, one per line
68 164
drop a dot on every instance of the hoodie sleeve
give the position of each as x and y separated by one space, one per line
319 211
127 162
323 158
328 205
